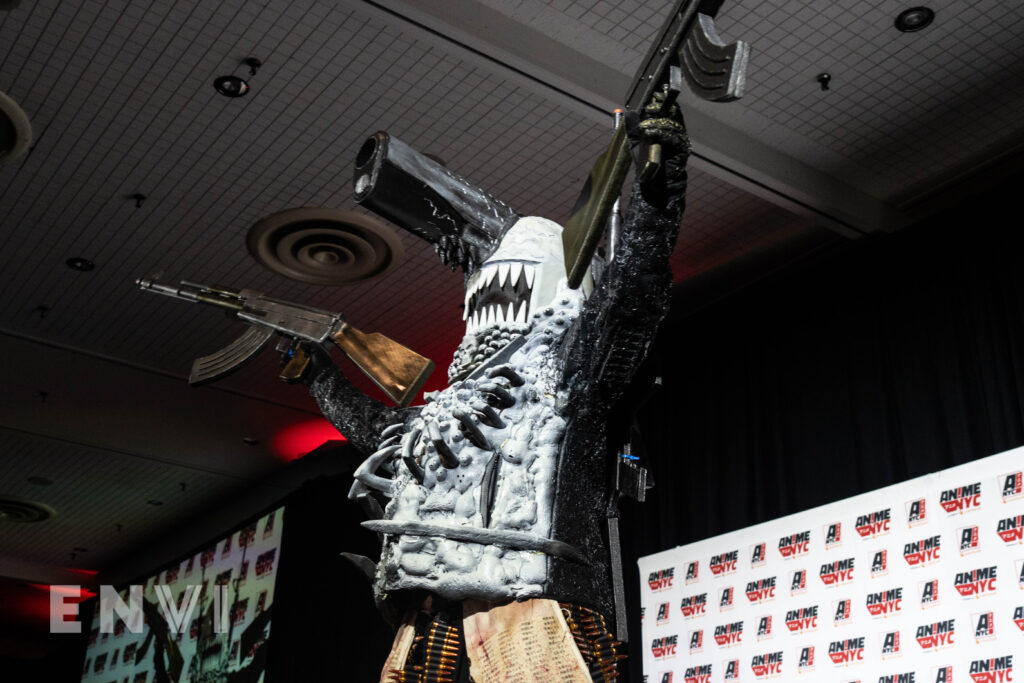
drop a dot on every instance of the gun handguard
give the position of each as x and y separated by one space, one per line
397 370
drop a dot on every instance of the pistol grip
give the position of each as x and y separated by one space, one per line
295 369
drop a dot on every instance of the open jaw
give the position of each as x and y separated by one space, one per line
499 294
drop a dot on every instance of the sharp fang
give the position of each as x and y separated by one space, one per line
515 271
510 316
503 269
490 277
523 313
499 315
490 316
530 275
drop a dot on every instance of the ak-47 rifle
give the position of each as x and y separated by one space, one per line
687 47
397 370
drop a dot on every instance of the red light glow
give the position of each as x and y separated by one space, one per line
296 440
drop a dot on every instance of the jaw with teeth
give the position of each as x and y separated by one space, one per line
518 279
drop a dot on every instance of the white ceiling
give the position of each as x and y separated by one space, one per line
512 95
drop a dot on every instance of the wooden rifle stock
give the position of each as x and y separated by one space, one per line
400 372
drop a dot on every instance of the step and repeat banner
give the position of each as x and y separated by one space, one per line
920 582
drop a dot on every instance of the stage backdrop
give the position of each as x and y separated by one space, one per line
919 582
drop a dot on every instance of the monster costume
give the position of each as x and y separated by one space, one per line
497 488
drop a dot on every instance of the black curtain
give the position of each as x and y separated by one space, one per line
325 626
898 356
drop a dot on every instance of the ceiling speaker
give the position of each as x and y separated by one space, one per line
325 246
15 130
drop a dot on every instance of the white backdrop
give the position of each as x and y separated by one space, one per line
920 582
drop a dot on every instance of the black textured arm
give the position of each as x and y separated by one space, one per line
621 317
358 417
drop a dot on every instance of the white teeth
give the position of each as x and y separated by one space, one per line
503 270
489 277
510 316
490 316
499 315
521 317
465 311
515 272
531 273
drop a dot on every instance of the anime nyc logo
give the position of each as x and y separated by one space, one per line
694 605
908 677
984 626
805 659
969 540
891 645
1011 486
961 499
725 563
924 552
761 590
764 628
696 641
692 572
731 669
977 582
846 652
833 535
942 674
885 603
937 635
1011 529
836 573
663 614
729 635
842 611
880 564
664 647
795 545
697 674
661 580
798 582
803 620
916 512
992 670
929 591
758 555
768 665
874 524
1018 616
725 600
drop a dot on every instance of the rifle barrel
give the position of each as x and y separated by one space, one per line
189 291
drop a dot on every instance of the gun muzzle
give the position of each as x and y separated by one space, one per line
190 291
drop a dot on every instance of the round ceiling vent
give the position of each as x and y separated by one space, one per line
325 246
15 130
24 511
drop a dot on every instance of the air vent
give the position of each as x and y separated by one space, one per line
325 246
15 130
24 511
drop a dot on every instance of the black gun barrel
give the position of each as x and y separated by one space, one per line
426 198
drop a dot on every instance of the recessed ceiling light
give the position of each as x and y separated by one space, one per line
914 19
250 441
79 263
230 86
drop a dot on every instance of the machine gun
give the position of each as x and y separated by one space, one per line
397 370
687 47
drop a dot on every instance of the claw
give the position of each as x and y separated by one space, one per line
508 373
365 472
488 415
391 430
444 453
497 395
471 430
407 455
